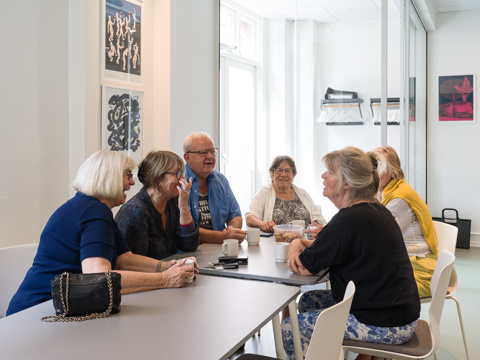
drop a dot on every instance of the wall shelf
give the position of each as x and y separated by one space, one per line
341 112
393 111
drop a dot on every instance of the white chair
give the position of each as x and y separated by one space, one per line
14 264
426 339
327 337
447 239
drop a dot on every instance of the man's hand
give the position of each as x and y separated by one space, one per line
231 232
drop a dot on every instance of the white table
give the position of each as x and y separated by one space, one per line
261 266
208 319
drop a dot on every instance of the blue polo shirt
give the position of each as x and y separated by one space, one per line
83 227
222 202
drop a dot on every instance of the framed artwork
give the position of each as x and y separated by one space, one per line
122 120
121 40
456 98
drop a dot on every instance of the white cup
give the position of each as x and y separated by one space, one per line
298 222
230 247
281 251
253 236
190 262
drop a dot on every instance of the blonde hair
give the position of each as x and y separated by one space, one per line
187 143
390 161
355 168
101 175
155 164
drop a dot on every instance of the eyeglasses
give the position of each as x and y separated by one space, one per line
178 174
204 153
128 174
287 171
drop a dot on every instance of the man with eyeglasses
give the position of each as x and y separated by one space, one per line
211 201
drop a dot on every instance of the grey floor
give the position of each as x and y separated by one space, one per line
467 265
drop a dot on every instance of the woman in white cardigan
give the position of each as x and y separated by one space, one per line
281 202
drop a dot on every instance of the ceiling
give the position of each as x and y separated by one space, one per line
342 10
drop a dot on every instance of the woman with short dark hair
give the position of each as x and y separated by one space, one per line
281 202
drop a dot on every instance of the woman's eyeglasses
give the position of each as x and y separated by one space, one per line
178 174
128 174
287 171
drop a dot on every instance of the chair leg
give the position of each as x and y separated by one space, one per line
461 325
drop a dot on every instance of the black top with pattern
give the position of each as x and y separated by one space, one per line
141 225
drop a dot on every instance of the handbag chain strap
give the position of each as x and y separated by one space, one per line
64 318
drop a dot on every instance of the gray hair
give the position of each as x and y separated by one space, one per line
187 143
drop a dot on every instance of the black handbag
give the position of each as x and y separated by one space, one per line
79 297
463 225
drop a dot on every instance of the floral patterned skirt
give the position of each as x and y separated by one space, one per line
312 303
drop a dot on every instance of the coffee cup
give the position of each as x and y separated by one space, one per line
253 236
281 251
190 262
230 247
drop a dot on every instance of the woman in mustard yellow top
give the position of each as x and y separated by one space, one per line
412 216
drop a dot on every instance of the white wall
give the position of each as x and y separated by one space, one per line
348 57
51 95
34 120
453 148
194 62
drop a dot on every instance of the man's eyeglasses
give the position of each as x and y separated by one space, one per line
204 153
178 174
287 171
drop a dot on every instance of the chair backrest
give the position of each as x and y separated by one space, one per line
446 235
438 287
14 264
327 338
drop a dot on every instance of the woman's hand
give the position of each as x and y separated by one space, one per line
294 263
183 192
315 229
177 275
267 226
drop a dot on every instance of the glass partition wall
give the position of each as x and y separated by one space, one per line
284 65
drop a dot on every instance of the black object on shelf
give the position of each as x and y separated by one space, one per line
463 225
393 104
332 94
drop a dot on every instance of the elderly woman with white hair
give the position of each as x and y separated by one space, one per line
82 237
